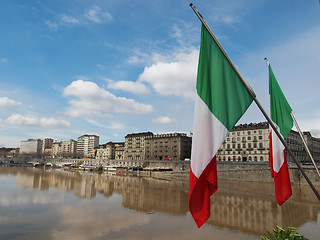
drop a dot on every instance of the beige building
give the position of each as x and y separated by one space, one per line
87 144
106 151
246 142
169 146
134 146
69 148
119 151
56 149
250 142
47 146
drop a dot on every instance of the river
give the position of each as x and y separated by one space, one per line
58 204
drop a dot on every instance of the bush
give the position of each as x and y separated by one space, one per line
282 234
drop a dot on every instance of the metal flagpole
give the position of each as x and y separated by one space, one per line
255 99
301 135
305 144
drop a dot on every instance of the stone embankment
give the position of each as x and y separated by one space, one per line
259 172
179 170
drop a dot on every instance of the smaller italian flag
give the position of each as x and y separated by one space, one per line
281 116
221 100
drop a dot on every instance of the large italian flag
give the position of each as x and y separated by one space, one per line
220 102
280 111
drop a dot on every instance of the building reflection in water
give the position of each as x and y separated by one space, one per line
246 206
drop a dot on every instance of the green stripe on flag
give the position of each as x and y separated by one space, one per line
218 84
279 107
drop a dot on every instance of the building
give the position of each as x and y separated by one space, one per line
250 142
169 146
246 142
87 144
69 148
119 151
134 145
56 149
47 146
297 148
30 147
105 151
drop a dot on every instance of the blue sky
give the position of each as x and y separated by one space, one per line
110 68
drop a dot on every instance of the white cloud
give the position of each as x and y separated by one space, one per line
51 24
175 78
95 101
65 19
100 66
17 119
128 86
7 102
163 120
3 60
96 15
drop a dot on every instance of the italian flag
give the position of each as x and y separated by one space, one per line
220 102
281 116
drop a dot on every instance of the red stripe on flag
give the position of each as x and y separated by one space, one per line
200 191
282 184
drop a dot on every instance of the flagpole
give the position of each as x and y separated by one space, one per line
255 99
301 135
305 144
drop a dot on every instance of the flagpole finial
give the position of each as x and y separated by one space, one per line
266 59
190 4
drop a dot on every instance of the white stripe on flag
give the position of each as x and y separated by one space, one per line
208 135
277 151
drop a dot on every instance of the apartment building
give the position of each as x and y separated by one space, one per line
169 146
47 146
297 148
30 146
134 146
87 144
246 142
119 150
56 149
69 148
105 151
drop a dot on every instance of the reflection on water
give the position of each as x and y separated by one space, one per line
240 210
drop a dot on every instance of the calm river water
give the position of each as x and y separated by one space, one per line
58 204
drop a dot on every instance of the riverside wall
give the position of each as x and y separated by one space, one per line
248 171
